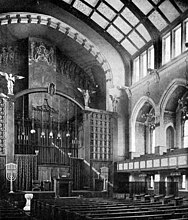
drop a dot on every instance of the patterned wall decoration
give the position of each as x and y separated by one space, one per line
2 126
101 136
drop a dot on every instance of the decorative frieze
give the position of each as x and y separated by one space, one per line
8 55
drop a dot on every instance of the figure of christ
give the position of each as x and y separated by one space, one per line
86 95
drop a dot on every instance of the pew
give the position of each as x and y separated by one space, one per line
9 212
83 209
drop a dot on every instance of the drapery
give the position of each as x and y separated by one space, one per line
27 171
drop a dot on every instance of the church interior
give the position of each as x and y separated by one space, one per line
94 108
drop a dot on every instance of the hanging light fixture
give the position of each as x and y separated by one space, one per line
149 117
58 123
68 132
42 132
75 140
51 132
33 121
23 126
183 105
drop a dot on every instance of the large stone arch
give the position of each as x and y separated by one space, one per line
47 20
45 90
133 117
175 90
168 92
112 66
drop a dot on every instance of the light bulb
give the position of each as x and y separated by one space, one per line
33 131
58 136
51 134
42 134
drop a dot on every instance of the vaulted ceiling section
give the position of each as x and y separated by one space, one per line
121 29
131 24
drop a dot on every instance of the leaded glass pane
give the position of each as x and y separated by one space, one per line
186 32
82 7
166 49
157 20
129 46
168 10
117 4
99 20
106 11
151 57
130 17
177 41
143 58
136 39
142 30
122 25
115 33
136 69
143 5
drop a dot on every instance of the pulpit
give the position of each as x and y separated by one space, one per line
63 187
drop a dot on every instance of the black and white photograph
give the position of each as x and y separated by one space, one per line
93 109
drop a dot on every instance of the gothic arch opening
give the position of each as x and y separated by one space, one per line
143 127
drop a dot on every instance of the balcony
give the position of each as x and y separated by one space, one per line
172 159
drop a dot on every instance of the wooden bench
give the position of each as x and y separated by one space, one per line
138 196
138 217
83 209
133 213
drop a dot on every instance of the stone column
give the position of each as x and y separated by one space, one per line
158 137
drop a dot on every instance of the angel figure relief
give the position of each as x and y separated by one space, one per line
115 101
10 81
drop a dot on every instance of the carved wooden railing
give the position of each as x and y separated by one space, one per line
46 155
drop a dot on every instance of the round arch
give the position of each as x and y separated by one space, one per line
52 22
45 90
